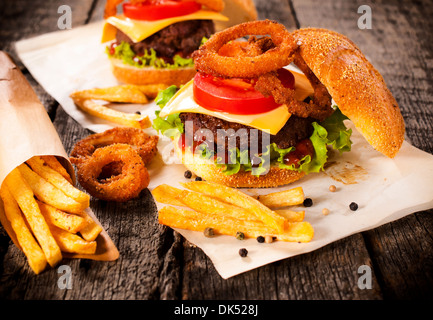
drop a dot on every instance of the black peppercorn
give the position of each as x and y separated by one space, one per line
243 252
353 206
198 179
187 174
260 239
308 202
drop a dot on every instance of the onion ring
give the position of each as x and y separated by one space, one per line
269 84
321 96
132 179
144 144
111 8
208 60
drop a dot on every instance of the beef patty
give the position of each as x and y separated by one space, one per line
295 130
181 38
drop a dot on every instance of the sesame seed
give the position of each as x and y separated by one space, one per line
269 239
208 232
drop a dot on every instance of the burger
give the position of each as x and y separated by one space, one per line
151 41
248 120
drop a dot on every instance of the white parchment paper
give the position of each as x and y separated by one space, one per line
385 189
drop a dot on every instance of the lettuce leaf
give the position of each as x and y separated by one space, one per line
338 135
124 52
171 126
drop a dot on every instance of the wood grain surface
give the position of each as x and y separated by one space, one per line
158 264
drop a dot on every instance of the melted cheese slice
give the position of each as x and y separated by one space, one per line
139 30
270 122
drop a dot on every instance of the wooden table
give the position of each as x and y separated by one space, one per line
157 263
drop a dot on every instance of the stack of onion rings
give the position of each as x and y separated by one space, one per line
208 60
111 165
252 62
143 143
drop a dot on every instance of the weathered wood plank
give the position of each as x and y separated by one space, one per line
399 45
278 10
325 274
23 19
403 255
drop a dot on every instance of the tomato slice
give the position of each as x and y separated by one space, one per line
235 96
157 10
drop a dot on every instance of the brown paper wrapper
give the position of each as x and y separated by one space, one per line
26 131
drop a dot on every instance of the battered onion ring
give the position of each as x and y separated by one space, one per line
144 144
269 85
321 96
207 59
111 8
132 179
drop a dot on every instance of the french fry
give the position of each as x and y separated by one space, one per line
195 221
290 197
56 179
70 242
91 231
54 164
63 220
121 93
208 205
26 241
122 118
167 194
238 198
152 90
126 93
290 215
24 196
48 193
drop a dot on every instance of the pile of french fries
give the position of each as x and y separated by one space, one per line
117 94
47 213
227 211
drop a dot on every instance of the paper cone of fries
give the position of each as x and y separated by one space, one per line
30 185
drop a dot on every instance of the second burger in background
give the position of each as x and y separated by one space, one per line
152 40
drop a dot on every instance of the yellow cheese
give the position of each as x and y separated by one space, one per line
271 122
139 30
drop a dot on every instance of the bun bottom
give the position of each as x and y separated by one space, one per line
149 75
208 171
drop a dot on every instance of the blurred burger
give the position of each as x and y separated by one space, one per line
246 120
151 41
